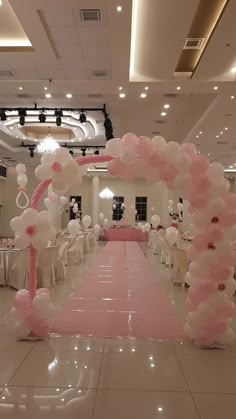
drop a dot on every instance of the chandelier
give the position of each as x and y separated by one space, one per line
106 193
48 145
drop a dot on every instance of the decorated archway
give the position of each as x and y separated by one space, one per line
213 213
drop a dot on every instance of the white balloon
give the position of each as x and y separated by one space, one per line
46 202
158 143
106 223
63 200
21 241
180 207
139 226
30 216
97 227
22 180
16 224
170 203
40 241
101 216
128 157
143 228
114 147
73 227
20 168
87 220
172 235
147 227
155 220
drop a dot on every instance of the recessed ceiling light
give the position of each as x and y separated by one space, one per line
119 9
48 95
215 87
160 409
217 136
166 106
143 95
231 97
45 88
120 88
146 88
197 136
200 132
20 88
163 114
122 95
221 132
231 167
178 87
233 69
69 95
208 154
226 128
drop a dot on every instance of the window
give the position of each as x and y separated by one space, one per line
141 207
117 211
78 200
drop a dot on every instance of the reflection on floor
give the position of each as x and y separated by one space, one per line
92 378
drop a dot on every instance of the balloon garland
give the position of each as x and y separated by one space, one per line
213 210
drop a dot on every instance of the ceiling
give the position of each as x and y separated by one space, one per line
139 50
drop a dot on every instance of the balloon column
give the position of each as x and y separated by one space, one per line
212 207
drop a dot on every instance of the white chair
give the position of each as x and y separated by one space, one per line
18 273
75 252
62 261
2 270
180 266
47 266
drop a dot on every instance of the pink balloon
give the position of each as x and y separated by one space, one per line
201 184
157 159
198 200
42 291
152 175
40 327
144 148
129 141
227 218
22 301
192 253
200 242
199 165
189 149
230 200
115 166
167 172
219 273
128 172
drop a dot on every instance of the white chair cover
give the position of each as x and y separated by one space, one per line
62 261
166 251
180 266
18 274
2 270
47 266
75 252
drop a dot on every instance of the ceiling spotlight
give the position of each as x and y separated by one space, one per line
69 95
178 88
48 95
119 9
231 167
226 128
82 118
122 95
163 114
71 152
3 115
217 136
31 150
166 106
20 88
146 88
143 95
42 117
22 115
215 87
45 88
233 69
120 88
208 154
197 136
58 114
231 97
200 132
96 152
83 149
221 132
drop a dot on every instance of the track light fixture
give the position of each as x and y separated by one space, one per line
96 152
22 115
71 152
3 115
82 117
42 117
83 149
108 128
58 114
31 150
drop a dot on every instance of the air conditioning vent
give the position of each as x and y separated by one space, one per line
101 74
95 95
90 15
170 95
194 43
222 142
23 96
5 74
155 132
160 121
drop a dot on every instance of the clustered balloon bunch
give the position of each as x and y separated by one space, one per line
55 200
145 228
213 211
104 221
74 226
31 318
74 206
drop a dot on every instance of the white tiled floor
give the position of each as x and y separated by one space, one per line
91 378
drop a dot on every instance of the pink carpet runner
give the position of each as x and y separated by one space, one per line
120 296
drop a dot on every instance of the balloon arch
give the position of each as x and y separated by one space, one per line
213 213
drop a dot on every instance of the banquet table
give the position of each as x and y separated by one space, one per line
125 234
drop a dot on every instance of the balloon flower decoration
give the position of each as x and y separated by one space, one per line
213 210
